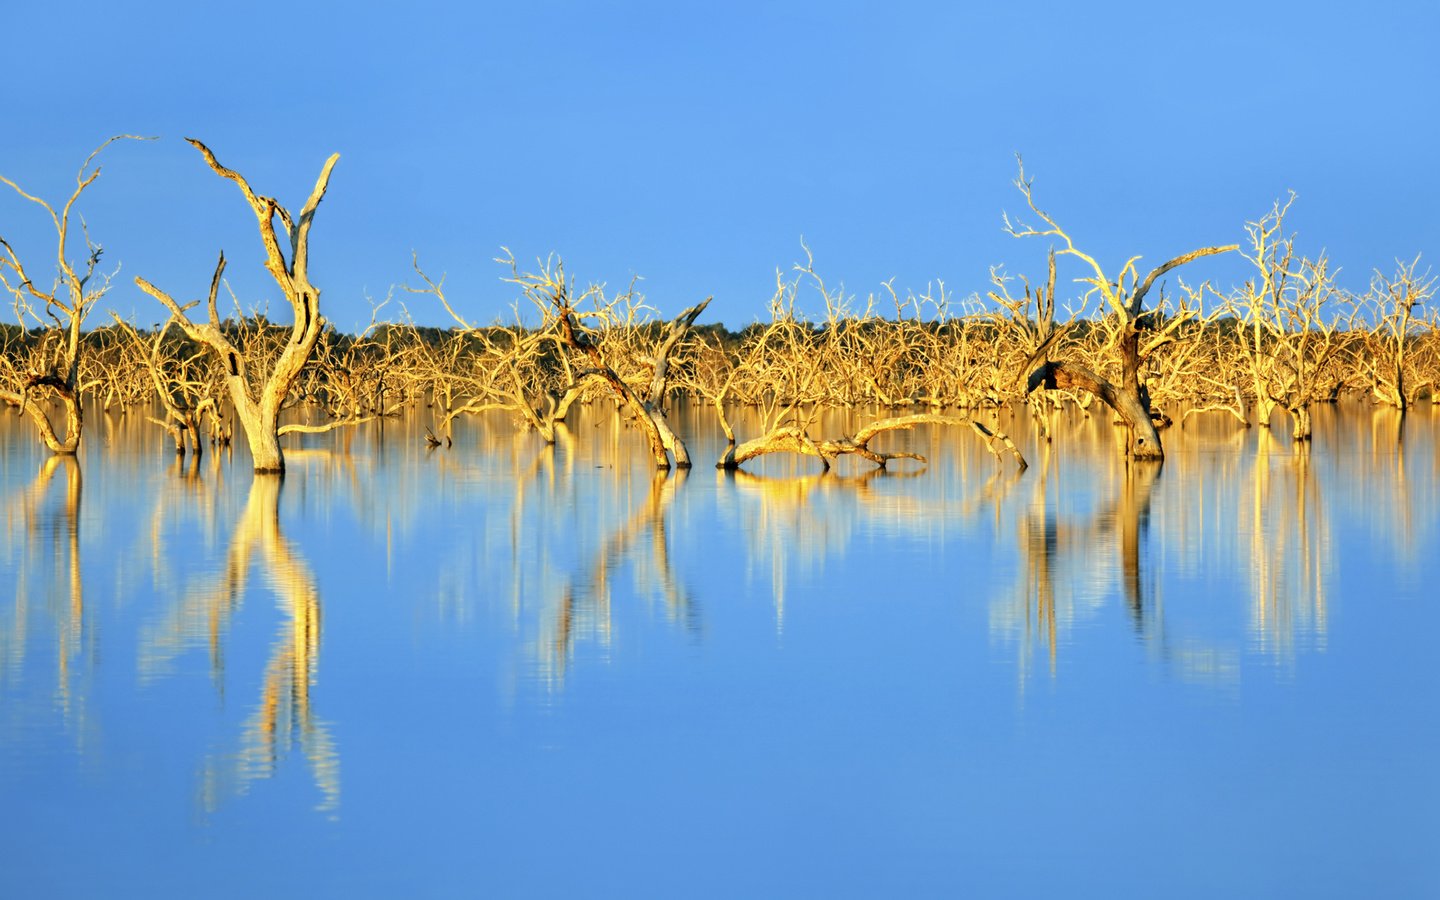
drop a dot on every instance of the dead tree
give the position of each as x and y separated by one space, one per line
1291 332
186 399
1396 307
1135 334
615 343
510 367
648 406
53 370
259 398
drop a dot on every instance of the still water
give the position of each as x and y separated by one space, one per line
501 669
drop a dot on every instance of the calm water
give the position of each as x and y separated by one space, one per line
502 670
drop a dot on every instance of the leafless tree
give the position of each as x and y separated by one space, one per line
611 346
1291 327
260 396
53 367
1133 333
1393 319
184 387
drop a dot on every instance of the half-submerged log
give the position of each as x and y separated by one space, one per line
795 439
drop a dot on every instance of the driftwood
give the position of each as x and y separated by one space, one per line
795 439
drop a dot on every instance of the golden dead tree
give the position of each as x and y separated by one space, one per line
259 397
354 379
1023 332
509 367
796 439
611 343
1134 333
1291 331
117 367
1394 337
184 389
771 368
53 369
1030 318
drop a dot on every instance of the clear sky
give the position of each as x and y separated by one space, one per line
695 144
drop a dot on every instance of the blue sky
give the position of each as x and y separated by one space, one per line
694 145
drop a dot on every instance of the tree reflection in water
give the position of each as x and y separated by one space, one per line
583 605
41 526
1227 554
1253 524
283 716
793 524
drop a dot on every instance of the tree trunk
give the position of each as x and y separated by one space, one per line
1142 441
1300 421
261 420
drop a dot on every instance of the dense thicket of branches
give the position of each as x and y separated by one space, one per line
1152 350
920 355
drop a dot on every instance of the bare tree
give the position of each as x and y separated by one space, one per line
1291 330
184 388
1393 338
258 398
509 367
1133 333
789 369
53 367
611 345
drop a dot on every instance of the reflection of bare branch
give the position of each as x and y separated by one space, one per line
202 614
797 523
284 715
1290 554
34 527
1054 555
1059 554
1268 528
585 603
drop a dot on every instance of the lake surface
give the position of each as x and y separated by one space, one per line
501 669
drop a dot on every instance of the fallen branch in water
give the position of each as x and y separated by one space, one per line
794 439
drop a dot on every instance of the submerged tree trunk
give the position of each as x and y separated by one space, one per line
1142 441
1300 428
649 410
31 402
794 439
